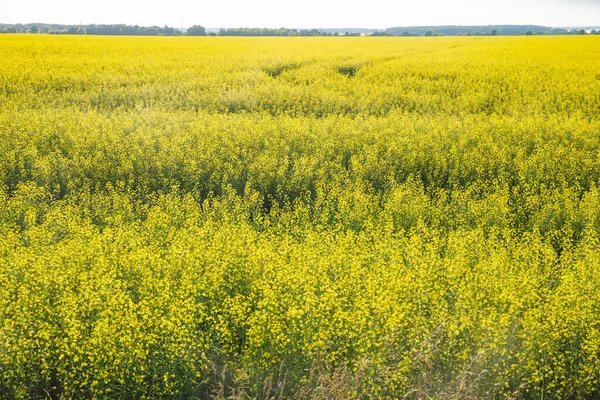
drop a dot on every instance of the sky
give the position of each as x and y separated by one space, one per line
375 14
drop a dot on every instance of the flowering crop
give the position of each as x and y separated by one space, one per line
299 217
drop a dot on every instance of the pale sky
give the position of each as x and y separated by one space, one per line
304 13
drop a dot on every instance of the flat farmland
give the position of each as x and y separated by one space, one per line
316 218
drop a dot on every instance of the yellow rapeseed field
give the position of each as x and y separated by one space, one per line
317 218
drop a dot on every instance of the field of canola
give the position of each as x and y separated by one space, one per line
313 218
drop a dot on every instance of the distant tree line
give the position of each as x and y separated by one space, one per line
272 32
483 30
114 29
197 30
130 30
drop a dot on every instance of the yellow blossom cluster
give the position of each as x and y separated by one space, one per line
299 217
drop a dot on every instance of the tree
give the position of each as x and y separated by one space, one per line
529 33
81 31
428 33
34 29
196 30
167 31
494 33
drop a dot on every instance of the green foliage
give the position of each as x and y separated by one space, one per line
196 30
473 30
272 32
304 218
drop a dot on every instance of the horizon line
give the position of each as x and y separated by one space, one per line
303 28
